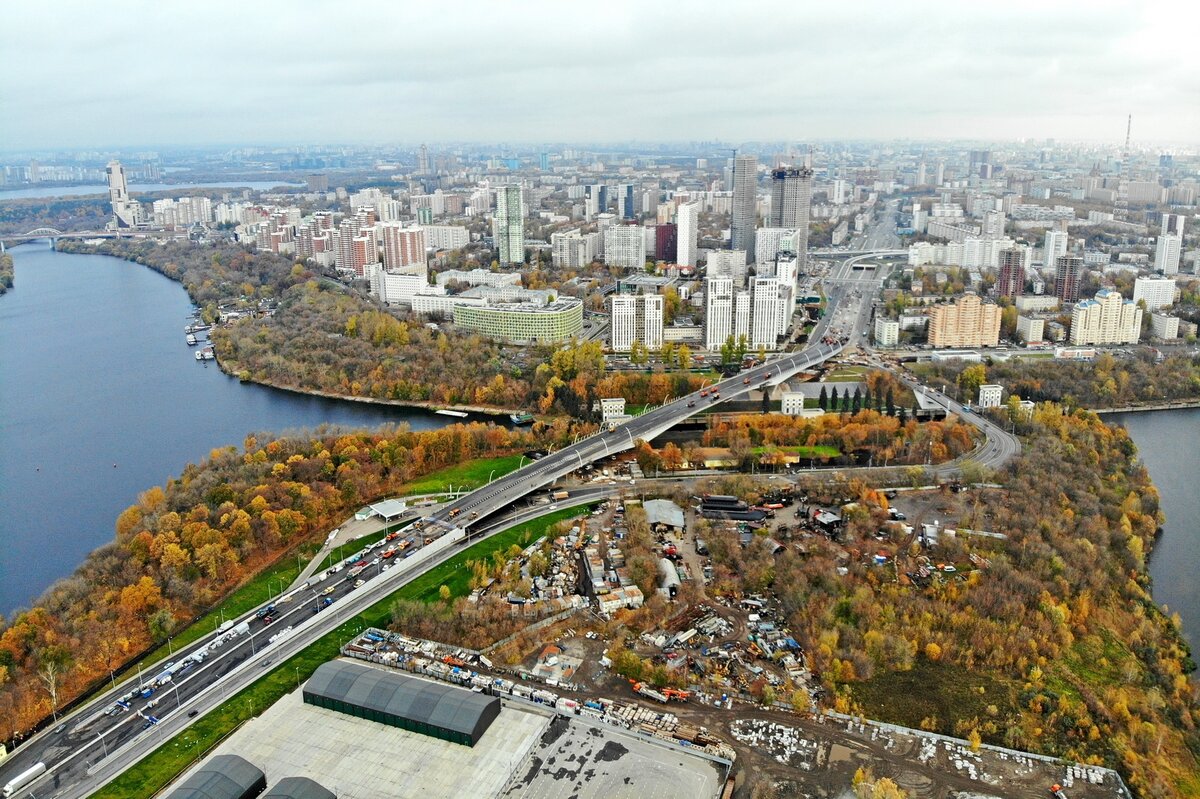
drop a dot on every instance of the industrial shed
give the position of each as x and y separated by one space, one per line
299 788
222 777
441 711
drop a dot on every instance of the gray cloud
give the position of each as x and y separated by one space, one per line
130 73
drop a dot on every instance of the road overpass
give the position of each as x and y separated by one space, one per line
91 747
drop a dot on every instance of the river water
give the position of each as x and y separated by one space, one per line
1167 442
47 192
101 398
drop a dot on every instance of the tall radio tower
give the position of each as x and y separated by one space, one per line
1128 131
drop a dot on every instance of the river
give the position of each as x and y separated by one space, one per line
1167 441
101 398
49 192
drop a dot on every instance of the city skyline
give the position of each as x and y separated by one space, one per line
1062 70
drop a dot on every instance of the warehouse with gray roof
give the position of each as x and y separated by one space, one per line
299 788
392 698
223 777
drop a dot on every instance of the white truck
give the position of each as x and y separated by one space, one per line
24 778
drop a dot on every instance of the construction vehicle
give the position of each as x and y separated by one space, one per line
392 536
676 694
645 690
1057 792
454 512
451 660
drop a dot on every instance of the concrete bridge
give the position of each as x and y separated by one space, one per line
54 234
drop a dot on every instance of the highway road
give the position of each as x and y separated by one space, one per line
999 445
881 235
91 747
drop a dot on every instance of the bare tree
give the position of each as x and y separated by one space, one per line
53 662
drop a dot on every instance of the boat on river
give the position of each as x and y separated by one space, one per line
521 418
446 412
205 354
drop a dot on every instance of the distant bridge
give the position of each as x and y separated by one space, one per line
55 233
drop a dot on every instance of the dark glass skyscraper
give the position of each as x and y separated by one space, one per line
745 214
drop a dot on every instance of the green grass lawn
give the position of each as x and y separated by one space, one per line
819 451
267 584
938 690
469 475
160 767
846 374
454 572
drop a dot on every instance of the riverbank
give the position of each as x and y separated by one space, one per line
1150 406
102 397
484 410
302 332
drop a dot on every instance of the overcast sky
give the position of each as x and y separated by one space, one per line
117 73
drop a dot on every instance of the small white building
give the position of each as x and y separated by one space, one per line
610 408
887 332
792 404
1031 328
990 395
1164 326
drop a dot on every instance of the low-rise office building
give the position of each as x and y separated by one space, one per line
523 323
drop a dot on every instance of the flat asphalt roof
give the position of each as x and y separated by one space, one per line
576 760
354 757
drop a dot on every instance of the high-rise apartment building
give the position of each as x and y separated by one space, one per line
968 322
508 225
447 237
718 306
573 249
767 298
127 212
625 246
993 225
1068 272
1169 245
423 167
666 242
728 263
637 317
741 315
625 204
1012 273
1107 319
791 202
1055 246
403 247
1157 292
745 212
687 220
770 241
